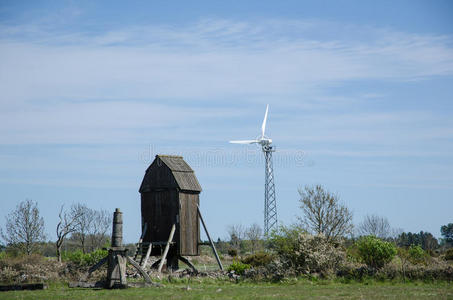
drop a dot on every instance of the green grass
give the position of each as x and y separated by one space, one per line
212 289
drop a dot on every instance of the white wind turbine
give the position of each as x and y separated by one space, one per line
270 204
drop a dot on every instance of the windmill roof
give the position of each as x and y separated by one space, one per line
182 175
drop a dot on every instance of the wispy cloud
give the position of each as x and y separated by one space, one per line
111 87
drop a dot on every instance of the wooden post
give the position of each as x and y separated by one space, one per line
140 241
167 247
117 229
187 262
94 268
137 266
116 271
210 241
148 253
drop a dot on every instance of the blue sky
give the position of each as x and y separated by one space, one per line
360 96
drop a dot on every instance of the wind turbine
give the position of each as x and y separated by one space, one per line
270 204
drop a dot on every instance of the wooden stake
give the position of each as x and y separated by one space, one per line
148 253
94 268
167 247
210 241
137 266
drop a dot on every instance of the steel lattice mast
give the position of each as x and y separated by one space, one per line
270 204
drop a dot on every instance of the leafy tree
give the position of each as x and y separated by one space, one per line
375 252
24 227
447 233
323 213
424 239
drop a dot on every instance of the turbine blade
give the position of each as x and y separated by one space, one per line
263 126
244 142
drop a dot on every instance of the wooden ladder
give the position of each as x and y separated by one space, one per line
143 248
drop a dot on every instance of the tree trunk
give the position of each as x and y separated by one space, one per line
59 250
82 242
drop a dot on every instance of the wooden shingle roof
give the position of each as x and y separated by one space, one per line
167 172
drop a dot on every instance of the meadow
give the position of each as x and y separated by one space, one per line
215 289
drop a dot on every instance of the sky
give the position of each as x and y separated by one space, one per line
359 93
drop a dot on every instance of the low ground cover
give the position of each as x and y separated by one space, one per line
221 289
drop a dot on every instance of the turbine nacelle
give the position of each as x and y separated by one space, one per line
263 140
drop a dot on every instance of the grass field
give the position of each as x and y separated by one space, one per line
297 289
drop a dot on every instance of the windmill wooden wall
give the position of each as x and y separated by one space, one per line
170 195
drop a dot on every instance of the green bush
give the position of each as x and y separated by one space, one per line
3 255
416 254
258 259
238 267
375 252
79 258
449 254
232 252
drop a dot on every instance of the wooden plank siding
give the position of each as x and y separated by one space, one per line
159 210
189 224
170 195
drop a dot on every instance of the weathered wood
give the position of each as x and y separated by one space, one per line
117 228
116 272
209 238
164 255
169 195
140 242
155 264
94 268
148 252
189 225
25 286
90 285
187 262
160 210
139 269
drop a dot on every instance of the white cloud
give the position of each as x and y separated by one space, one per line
69 87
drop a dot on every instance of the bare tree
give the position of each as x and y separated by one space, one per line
375 225
254 234
91 227
83 224
98 230
237 234
323 213
66 225
24 227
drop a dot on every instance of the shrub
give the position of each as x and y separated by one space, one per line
232 252
305 253
238 267
375 252
79 258
416 255
3 255
449 254
258 259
